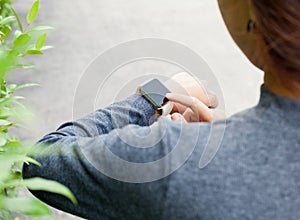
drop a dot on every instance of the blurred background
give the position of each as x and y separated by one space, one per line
85 29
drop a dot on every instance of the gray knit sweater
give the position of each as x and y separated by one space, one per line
255 173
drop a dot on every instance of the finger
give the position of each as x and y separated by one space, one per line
178 108
204 115
188 115
218 115
181 108
211 98
178 117
185 100
201 111
185 83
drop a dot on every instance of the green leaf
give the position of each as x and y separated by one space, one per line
41 41
7 20
5 31
13 87
5 163
25 86
46 48
21 41
5 112
18 19
7 100
10 88
12 156
33 12
4 122
45 185
24 66
3 139
17 34
5 127
27 206
30 52
40 28
13 145
2 142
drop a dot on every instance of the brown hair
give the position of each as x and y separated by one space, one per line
279 23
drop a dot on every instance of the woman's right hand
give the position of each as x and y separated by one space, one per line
183 83
195 110
193 100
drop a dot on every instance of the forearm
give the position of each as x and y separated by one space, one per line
133 110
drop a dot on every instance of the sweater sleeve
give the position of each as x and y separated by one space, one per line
105 165
133 110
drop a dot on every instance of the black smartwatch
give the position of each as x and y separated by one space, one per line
155 92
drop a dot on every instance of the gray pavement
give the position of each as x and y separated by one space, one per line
84 29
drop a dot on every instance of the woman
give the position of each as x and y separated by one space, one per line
255 173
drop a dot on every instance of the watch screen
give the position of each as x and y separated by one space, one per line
155 92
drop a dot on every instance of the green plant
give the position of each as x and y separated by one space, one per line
17 43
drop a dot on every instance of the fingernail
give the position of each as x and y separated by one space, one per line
174 116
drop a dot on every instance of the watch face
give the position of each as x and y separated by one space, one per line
155 92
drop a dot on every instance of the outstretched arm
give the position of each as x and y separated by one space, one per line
103 156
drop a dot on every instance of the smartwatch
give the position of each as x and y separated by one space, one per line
155 92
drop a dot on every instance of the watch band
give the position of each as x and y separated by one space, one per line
166 108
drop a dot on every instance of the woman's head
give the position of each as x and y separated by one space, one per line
268 32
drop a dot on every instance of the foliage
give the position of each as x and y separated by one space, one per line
16 43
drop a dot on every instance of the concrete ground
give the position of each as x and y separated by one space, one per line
84 29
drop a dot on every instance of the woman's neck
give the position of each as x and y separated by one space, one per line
289 88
